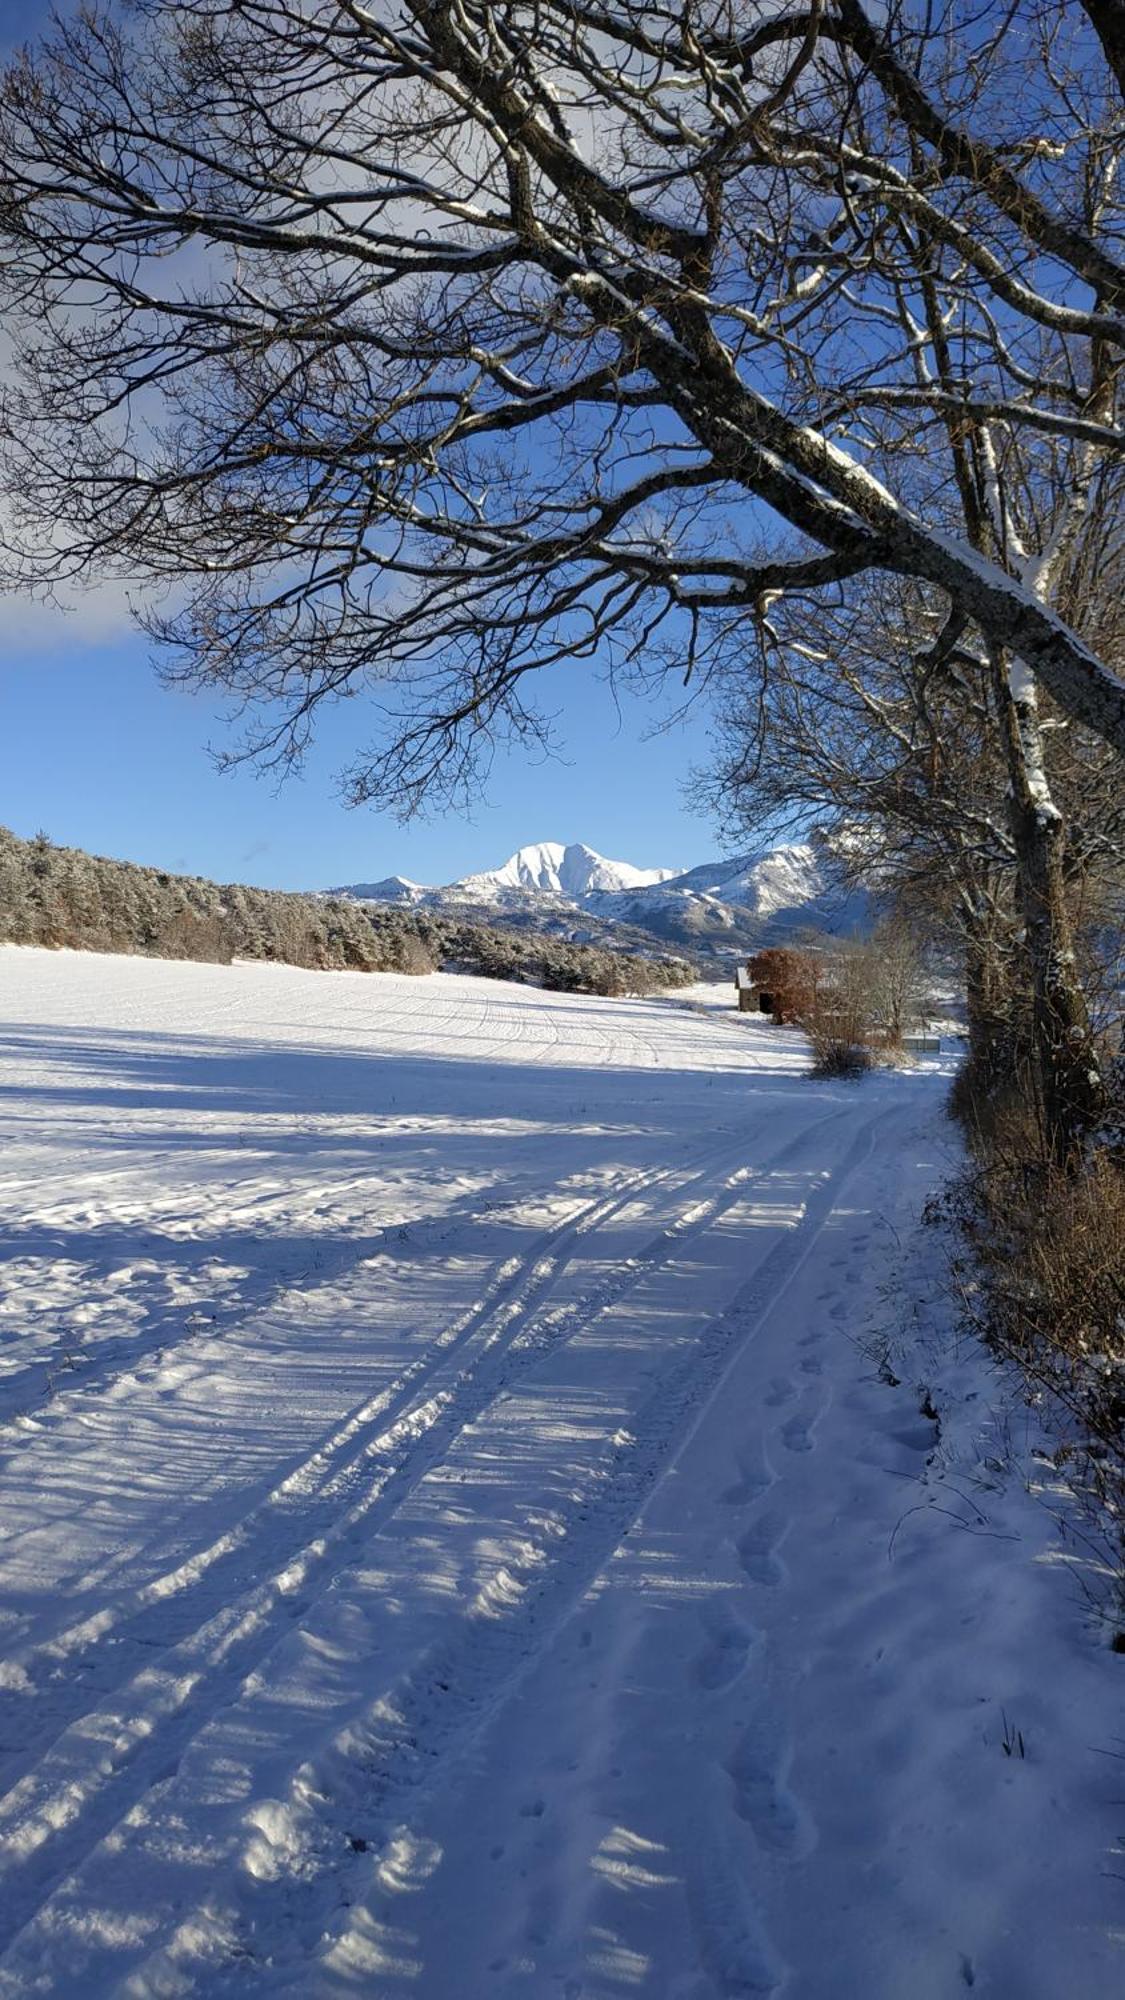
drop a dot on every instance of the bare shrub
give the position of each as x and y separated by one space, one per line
890 966
992 1098
1042 1281
837 1016
836 1056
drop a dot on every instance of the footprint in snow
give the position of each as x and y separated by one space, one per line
761 1797
757 1552
795 1435
726 1656
780 1391
750 1486
732 1944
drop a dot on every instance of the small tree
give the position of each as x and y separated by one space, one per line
838 1018
788 977
894 977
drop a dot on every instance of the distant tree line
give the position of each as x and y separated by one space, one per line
62 897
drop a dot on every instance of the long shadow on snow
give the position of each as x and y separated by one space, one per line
601 1119
211 1073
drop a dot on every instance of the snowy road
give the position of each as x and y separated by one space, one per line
454 1539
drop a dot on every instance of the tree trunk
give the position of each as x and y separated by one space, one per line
1066 1059
1108 18
993 1032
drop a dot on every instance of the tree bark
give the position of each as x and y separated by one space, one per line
1066 1058
1108 20
993 1034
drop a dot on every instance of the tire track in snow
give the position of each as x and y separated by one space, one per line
396 1755
515 1284
99 1372
29 1392
519 1281
66 1803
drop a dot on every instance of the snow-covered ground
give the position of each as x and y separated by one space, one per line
468 1524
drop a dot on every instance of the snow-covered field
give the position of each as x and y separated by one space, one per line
468 1527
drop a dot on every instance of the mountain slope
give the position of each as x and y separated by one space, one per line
718 910
549 869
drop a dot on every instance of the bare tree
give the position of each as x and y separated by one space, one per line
1044 517
894 976
859 720
427 345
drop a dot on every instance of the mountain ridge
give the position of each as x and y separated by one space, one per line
716 910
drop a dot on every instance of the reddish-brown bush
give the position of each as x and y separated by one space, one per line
789 977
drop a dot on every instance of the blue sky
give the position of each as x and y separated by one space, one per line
96 753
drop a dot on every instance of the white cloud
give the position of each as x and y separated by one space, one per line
92 617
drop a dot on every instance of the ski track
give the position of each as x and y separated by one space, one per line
383 1449
483 1651
404 1764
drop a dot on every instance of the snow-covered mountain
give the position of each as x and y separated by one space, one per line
781 878
716 911
550 869
392 889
